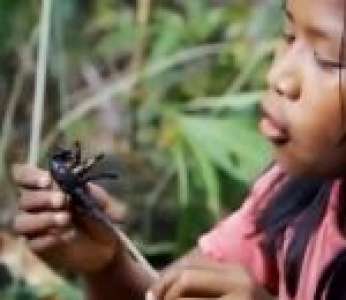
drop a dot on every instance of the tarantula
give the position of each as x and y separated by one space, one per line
72 175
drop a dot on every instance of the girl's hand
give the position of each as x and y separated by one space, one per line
212 281
44 218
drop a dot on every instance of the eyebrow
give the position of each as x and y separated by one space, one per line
315 31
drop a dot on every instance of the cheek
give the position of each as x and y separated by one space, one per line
316 118
315 127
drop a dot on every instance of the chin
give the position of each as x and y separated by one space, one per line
298 167
311 168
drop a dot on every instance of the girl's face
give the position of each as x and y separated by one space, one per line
303 109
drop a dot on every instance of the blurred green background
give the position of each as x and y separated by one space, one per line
168 89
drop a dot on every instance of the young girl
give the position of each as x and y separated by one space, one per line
289 236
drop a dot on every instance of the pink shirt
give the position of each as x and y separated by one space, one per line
228 241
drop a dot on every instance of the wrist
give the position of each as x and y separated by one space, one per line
122 276
114 266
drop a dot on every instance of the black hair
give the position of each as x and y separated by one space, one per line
300 205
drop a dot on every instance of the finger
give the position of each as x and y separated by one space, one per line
150 296
100 194
159 289
29 223
116 210
95 229
31 177
204 298
42 200
43 243
69 235
239 295
200 283
52 239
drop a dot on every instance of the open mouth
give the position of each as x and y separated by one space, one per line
273 129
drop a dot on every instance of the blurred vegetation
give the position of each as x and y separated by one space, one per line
169 89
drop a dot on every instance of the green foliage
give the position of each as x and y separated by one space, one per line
21 291
16 17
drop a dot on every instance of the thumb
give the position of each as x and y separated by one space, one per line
150 296
116 210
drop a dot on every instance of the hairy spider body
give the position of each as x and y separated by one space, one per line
72 175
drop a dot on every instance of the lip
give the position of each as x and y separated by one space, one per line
274 128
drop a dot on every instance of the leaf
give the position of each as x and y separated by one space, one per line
235 102
250 67
228 143
261 22
183 180
210 179
168 34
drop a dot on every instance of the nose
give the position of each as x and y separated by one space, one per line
284 78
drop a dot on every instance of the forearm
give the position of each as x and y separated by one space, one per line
124 278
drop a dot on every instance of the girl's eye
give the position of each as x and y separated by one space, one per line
289 37
328 64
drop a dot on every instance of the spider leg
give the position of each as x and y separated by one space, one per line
101 176
77 153
87 166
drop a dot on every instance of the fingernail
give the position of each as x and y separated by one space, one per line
91 187
44 181
149 296
58 201
70 235
61 219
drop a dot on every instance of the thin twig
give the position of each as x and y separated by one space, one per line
38 105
